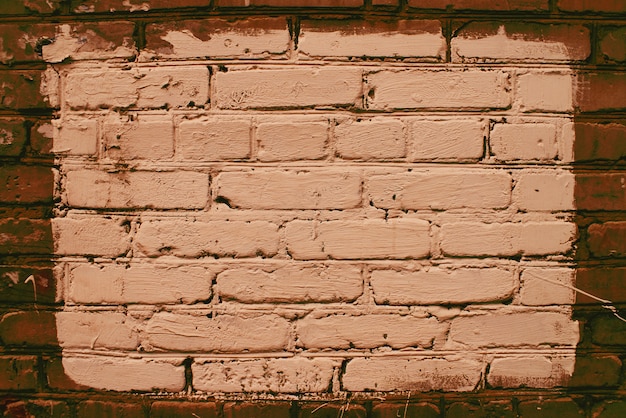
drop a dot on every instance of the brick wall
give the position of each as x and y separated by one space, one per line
261 208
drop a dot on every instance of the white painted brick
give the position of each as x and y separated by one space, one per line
139 283
110 330
219 334
441 189
446 140
527 141
550 92
143 87
142 374
370 238
196 239
442 286
370 139
75 136
507 239
273 189
369 331
145 138
296 88
522 329
214 139
420 375
405 38
281 375
536 288
138 189
292 140
531 371
90 236
291 283
422 89
551 190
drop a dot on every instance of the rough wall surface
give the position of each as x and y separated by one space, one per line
267 208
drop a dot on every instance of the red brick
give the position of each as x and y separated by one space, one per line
603 282
391 410
180 409
592 91
23 42
502 409
18 373
12 137
600 141
98 6
600 191
562 408
607 239
25 236
38 408
31 328
480 4
96 409
607 329
613 44
26 184
41 134
597 371
592 5
332 411
16 285
56 377
290 3
257 410
21 90
18 7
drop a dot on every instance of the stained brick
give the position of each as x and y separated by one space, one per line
26 184
28 328
596 371
607 239
18 373
502 409
592 97
290 3
613 44
563 408
20 284
111 6
333 411
25 236
394 410
600 141
12 137
257 410
592 6
480 4
165 409
600 191
603 281
21 90
105 409
19 7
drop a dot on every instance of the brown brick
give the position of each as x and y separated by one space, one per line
18 7
613 44
502 409
605 140
23 42
38 408
257 410
607 239
18 373
600 191
607 329
562 408
391 410
25 184
56 377
180 409
16 285
596 371
333 411
41 134
610 409
612 6
290 3
31 328
25 236
96 409
603 282
480 4
12 137
21 90
99 6
592 91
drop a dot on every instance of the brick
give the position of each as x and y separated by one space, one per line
370 139
139 283
563 407
214 139
610 409
41 137
536 288
27 284
602 141
422 375
110 330
19 7
111 6
531 371
257 409
440 189
365 38
24 184
600 191
607 330
610 6
612 44
143 87
196 239
390 410
279 375
38 408
597 371
137 189
290 3
607 239
273 189
507 239
18 373
104 409
435 286
602 281
90 236
551 190
12 137
75 136
590 97
291 283
527 141
216 38
520 41
217 334
292 141
25 236
288 88
446 140
547 91
490 5
21 90
520 329
165 409
502 409
369 331
140 374
143 137
370 238
385 3
422 89
331 411
28 328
